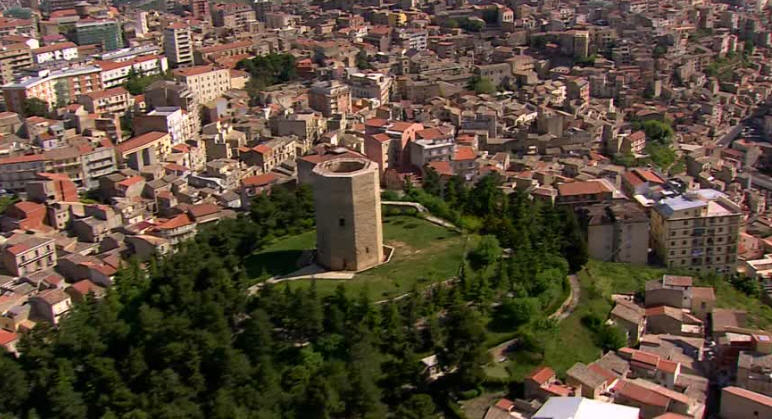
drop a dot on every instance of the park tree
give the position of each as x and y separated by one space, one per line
463 348
486 252
482 85
34 107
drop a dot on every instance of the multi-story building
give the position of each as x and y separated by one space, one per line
106 33
53 5
200 9
205 81
329 98
56 52
211 54
697 231
178 46
116 73
171 119
234 16
617 232
375 86
23 254
116 100
57 88
13 59
140 26
144 150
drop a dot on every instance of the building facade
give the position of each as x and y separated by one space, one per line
697 231
178 46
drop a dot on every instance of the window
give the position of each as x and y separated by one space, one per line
342 222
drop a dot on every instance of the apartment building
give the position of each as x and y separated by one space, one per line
171 119
178 45
106 33
234 16
144 150
210 54
205 81
13 59
200 9
115 73
56 88
116 100
617 232
698 231
375 86
330 97
56 52
24 254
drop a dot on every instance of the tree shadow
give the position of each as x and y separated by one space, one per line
267 264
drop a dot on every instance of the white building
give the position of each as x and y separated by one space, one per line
116 73
581 408
62 51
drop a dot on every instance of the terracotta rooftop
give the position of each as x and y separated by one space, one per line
641 394
140 141
541 374
582 188
464 153
7 337
259 180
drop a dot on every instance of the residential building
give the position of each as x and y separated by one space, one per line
581 408
206 82
171 119
200 9
57 88
211 54
51 305
24 254
330 98
106 32
376 86
697 231
630 317
64 51
587 192
144 150
617 232
13 59
116 100
115 73
234 16
178 45
754 369
739 403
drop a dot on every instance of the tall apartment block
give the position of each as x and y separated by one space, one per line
697 231
178 46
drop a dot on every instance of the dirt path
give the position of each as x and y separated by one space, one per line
497 352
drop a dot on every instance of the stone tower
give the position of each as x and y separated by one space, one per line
347 203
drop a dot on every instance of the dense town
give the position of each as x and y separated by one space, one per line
129 127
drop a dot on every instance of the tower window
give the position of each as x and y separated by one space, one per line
342 222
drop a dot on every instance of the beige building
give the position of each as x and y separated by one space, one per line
178 46
618 233
739 403
330 97
23 254
205 81
13 58
697 231
116 100
347 202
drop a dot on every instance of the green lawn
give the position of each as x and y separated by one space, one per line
571 341
574 342
424 253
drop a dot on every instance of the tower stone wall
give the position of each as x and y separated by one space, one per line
349 234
